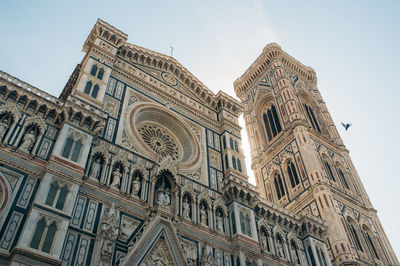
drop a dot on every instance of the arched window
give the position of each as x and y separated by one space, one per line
329 171
248 229
236 146
72 148
37 236
234 162
354 235
280 191
226 162
52 194
245 223
271 122
343 178
95 91
224 142
239 165
100 74
231 143
57 196
94 70
48 240
371 245
88 87
294 178
48 231
311 118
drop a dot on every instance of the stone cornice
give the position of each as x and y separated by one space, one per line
256 70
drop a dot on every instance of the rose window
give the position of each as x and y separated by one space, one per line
159 141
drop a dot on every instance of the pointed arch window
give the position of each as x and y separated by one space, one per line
224 142
95 91
94 70
294 178
271 123
329 171
371 245
100 74
245 223
239 165
72 147
231 143
57 196
91 90
342 178
311 118
226 162
236 146
234 162
44 235
356 239
280 191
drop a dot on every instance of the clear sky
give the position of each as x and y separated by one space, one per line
352 45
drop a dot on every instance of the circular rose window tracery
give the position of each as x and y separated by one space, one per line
159 141
160 131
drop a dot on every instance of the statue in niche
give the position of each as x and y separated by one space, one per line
4 124
186 209
135 187
203 216
220 222
95 169
167 197
28 140
163 194
116 178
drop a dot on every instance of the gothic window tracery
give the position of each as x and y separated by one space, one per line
92 92
311 117
293 176
351 226
233 162
239 165
329 170
44 234
245 222
73 146
370 239
271 122
160 141
57 195
280 191
342 178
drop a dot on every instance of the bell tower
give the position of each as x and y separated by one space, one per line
299 159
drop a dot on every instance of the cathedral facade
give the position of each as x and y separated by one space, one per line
138 163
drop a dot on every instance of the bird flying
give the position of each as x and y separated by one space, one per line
346 126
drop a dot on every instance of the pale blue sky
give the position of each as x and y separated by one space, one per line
352 45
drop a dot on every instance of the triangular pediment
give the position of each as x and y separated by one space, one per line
159 245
